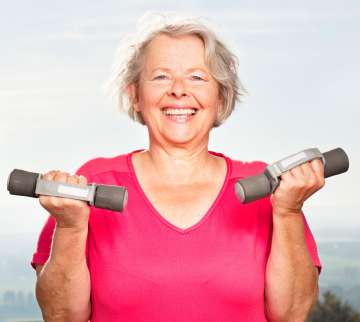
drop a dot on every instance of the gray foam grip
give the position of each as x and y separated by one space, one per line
22 183
110 197
336 162
252 188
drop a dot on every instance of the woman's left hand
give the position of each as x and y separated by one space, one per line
296 185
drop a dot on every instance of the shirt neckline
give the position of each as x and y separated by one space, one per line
157 214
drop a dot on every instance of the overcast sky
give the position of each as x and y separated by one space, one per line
298 60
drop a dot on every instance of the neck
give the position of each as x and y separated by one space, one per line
179 165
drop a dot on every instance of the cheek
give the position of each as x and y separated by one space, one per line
208 97
150 96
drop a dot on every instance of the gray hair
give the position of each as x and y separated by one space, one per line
221 62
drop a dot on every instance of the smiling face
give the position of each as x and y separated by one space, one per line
177 96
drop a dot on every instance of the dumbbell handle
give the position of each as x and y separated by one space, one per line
30 184
256 187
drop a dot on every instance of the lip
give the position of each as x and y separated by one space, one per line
180 120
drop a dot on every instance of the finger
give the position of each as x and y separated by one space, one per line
304 176
303 172
318 169
73 179
313 182
82 180
308 171
49 175
299 174
287 176
61 176
312 178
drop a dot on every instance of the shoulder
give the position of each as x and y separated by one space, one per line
101 165
245 168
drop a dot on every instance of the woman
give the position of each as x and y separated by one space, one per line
184 249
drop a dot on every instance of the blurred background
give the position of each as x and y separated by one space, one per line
298 60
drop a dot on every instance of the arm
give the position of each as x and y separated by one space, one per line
291 279
63 283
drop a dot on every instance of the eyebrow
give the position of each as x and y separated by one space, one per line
188 70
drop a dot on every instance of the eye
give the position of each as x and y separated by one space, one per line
160 77
196 77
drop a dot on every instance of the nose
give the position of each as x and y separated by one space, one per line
178 88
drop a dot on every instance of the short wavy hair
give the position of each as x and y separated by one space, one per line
222 63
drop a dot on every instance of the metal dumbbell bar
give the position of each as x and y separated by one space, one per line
256 187
24 183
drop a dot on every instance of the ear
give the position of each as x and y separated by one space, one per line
132 93
220 105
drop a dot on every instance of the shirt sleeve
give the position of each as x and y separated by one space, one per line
43 247
311 244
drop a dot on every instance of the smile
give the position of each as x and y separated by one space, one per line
179 115
179 111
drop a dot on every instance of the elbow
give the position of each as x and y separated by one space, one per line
50 314
66 316
289 316
55 309
63 296
299 312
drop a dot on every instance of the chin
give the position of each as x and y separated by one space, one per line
180 138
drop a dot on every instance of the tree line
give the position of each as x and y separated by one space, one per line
328 309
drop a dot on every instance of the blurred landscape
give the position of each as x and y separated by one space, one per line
338 250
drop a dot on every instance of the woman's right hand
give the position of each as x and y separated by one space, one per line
69 213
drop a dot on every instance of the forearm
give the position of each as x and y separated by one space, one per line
63 285
291 278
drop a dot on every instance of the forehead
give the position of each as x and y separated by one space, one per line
187 51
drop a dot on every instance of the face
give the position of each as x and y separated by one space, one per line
177 97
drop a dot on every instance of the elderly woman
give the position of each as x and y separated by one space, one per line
184 248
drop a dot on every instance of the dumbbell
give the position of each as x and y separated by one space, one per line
30 184
256 187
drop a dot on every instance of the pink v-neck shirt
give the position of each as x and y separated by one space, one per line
145 269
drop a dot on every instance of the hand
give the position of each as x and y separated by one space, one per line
69 213
296 185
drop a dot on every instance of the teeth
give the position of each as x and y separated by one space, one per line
179 111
